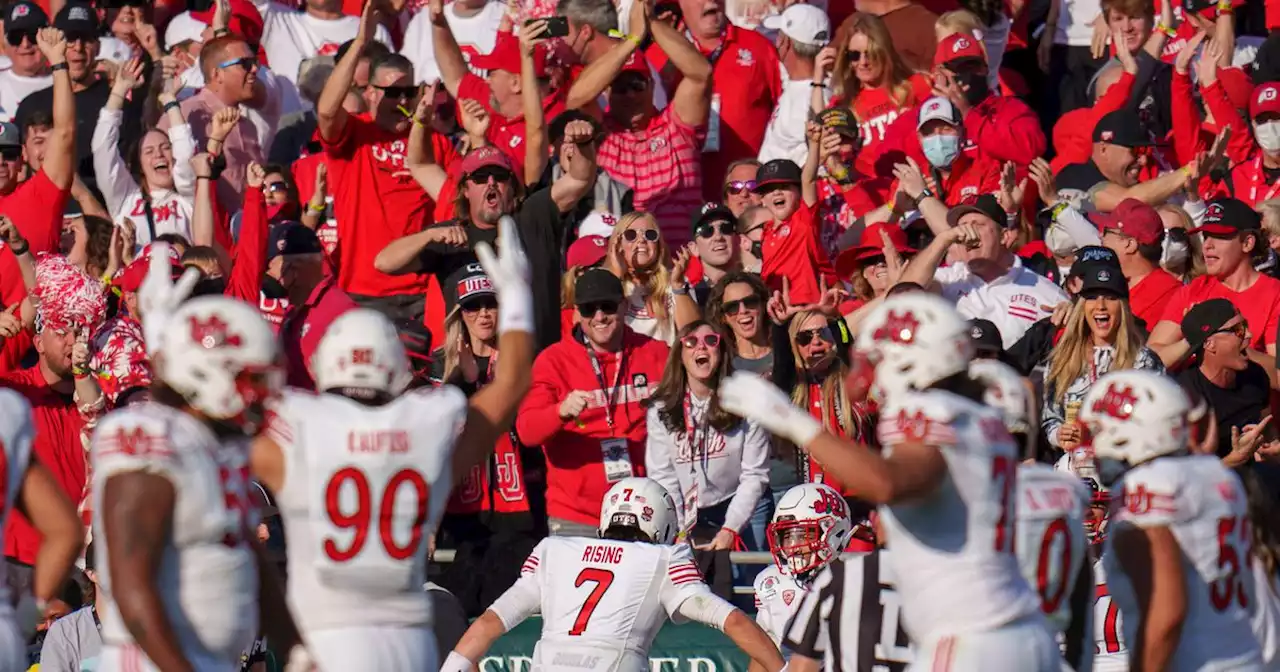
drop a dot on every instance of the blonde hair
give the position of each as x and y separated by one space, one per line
568 282
958 21
1194 266
851 423
1075 351
455 331
879 47
656 284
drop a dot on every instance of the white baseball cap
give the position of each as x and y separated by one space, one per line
598 223
803 23
941 108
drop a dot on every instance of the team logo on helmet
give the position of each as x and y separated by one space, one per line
898 328
213 333
1118 402
646 514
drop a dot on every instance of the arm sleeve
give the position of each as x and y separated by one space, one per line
538 420
1227 116
753 480
707 609
1186 118
250 260
1006 131
659 461
1052 417
184 147
683 582
114 180
524 598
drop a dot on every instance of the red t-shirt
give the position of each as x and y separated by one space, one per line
792 250
875 109
58 447
506 133
1259 304
35 206
1148 298
375 201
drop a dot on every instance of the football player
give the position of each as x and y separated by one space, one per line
27 486
362 472
945 484
1177 551
603 600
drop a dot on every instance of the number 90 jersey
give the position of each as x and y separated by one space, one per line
364 487
1203 504
1051 539
953 548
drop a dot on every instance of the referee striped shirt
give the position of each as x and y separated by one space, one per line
849 618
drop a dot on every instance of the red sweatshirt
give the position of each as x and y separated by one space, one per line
1073 134
999 128
1190 134
576 480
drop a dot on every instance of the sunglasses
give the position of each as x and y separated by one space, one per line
712 341
1239 330
397 92
853 56
590 309
710 228
740 187
16 37
11 153
735 307
477 305
482 175
81 37
630 235
635 84
248 63
273 187
806 337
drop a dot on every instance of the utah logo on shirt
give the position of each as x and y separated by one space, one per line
745 58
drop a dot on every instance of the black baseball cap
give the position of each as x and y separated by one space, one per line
985 204
1205 319
1227 217
1102 278
77 19
985 337
711 212
290 238
596 285
25 17
840 120
1091 257
777 171
465 283
1124 128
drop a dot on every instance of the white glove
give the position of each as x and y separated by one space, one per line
299 660
456 662
509 273
159 296
756 399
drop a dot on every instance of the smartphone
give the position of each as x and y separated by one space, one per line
555 26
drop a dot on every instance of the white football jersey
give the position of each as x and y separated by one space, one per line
953 550
1110 654
16 434
364 488
777 598
1051 542
602 601
208 576
1266 614
1203 504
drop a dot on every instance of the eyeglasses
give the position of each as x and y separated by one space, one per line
247 62
735 307
272 187
477 305
710 228
15 38
853 56
1239 330
630 235
482 175
397 92
739 187
590 309
712 341
806 337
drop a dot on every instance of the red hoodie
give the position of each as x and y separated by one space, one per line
1000 128
576 480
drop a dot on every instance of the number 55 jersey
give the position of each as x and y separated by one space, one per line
364 487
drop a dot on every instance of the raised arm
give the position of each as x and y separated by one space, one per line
114 179
60 144
420 157
453 67
692 99
600 73
535 123
330 116
579 149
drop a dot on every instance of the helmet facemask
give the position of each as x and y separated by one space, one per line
800 547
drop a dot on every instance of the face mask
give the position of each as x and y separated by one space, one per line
1268 135
272 289
941 150
1174 251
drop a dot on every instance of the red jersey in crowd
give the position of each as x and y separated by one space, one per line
507 133
1073 134
304 175
304 326
35 206
1151 295
876 108
58 445
244 282
1259 304
792 250
376 201
999 128
579 450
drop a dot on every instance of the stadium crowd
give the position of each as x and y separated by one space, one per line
699 188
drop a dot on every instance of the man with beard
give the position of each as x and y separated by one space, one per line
488 190
1111 174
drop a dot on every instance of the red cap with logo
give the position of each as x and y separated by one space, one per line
130 279
1135 219
958 46
587 251
484 157
870 245
636 63
246 21
506 56
1266 100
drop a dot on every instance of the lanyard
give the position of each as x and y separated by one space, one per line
698 434
715 53
610 394
1258 176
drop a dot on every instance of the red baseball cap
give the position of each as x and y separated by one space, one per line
245 21
1135 219
1265 100
636 62
483 157
870 245
506 56
130 279
587 251
958 46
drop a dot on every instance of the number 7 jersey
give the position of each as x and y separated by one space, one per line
364 487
